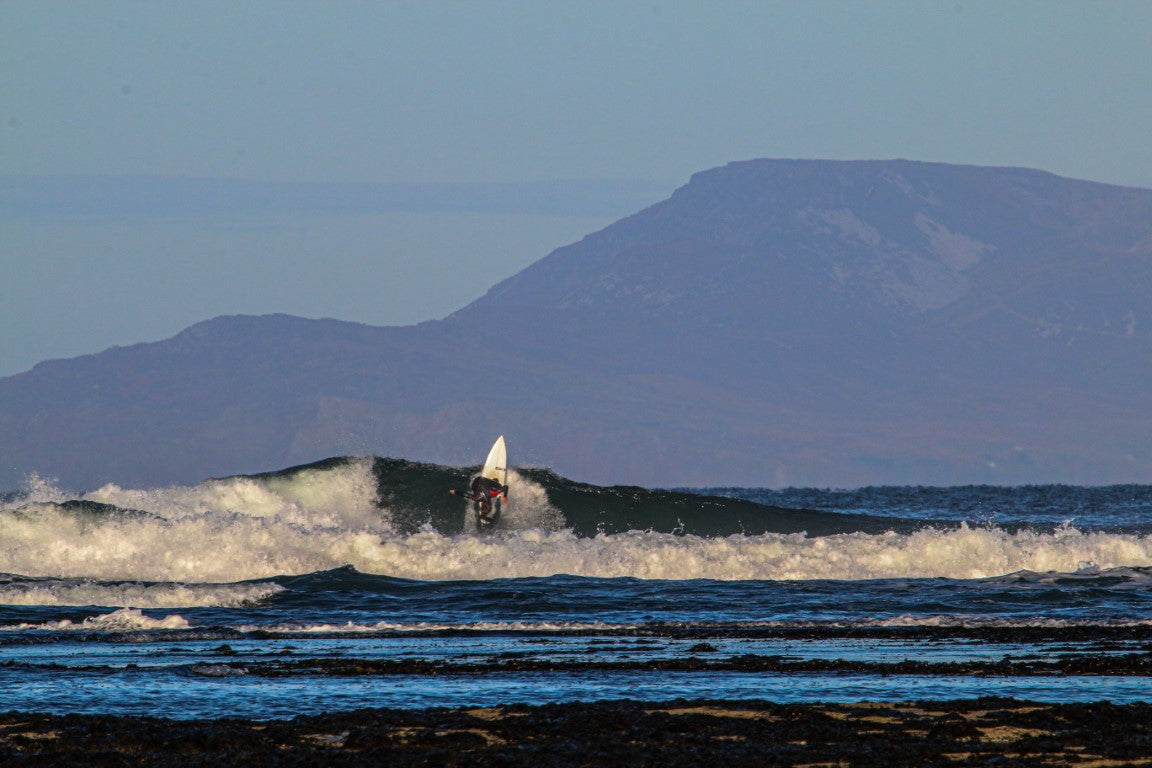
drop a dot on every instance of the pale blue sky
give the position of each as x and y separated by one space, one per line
470 93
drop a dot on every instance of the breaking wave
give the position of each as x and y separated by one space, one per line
219 542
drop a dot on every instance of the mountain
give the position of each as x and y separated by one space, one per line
773 322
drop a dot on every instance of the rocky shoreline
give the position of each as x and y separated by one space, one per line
1116 665
608 733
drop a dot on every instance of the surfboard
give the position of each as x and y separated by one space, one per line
496 465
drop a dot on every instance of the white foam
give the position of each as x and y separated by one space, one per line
70 592
964 553
242 529
217 670
417 627
40 490
339 497
123 620
219 531
528 507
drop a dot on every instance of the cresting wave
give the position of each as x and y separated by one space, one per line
134 620
56 592
192 545
123 620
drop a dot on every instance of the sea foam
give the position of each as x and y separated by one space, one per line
132 594
248 528
123 620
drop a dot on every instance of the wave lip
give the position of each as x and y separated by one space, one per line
123 620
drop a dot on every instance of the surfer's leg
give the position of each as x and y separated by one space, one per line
484 512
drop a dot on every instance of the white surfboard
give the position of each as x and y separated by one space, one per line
496 465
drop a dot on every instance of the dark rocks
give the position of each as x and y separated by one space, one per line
610 733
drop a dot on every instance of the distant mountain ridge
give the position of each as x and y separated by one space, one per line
773 322
911 237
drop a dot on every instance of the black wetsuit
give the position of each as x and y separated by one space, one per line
482 493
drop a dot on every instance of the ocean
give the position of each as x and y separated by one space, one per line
360 582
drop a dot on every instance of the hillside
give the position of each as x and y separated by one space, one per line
773 322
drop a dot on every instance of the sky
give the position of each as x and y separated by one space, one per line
605 107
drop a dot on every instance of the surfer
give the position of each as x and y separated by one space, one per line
487 495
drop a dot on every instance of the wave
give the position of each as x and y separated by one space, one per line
415 496
211 550
22 590
123 620
171 627
116 546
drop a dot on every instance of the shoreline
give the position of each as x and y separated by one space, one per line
609 733
1118 664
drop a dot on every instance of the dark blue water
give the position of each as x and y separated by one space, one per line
1106 508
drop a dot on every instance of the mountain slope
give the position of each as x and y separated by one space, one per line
773 322
793 246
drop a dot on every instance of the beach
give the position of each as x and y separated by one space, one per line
621 733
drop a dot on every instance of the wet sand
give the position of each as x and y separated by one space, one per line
1001 732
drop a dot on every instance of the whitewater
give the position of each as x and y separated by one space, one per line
247 528
361 582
